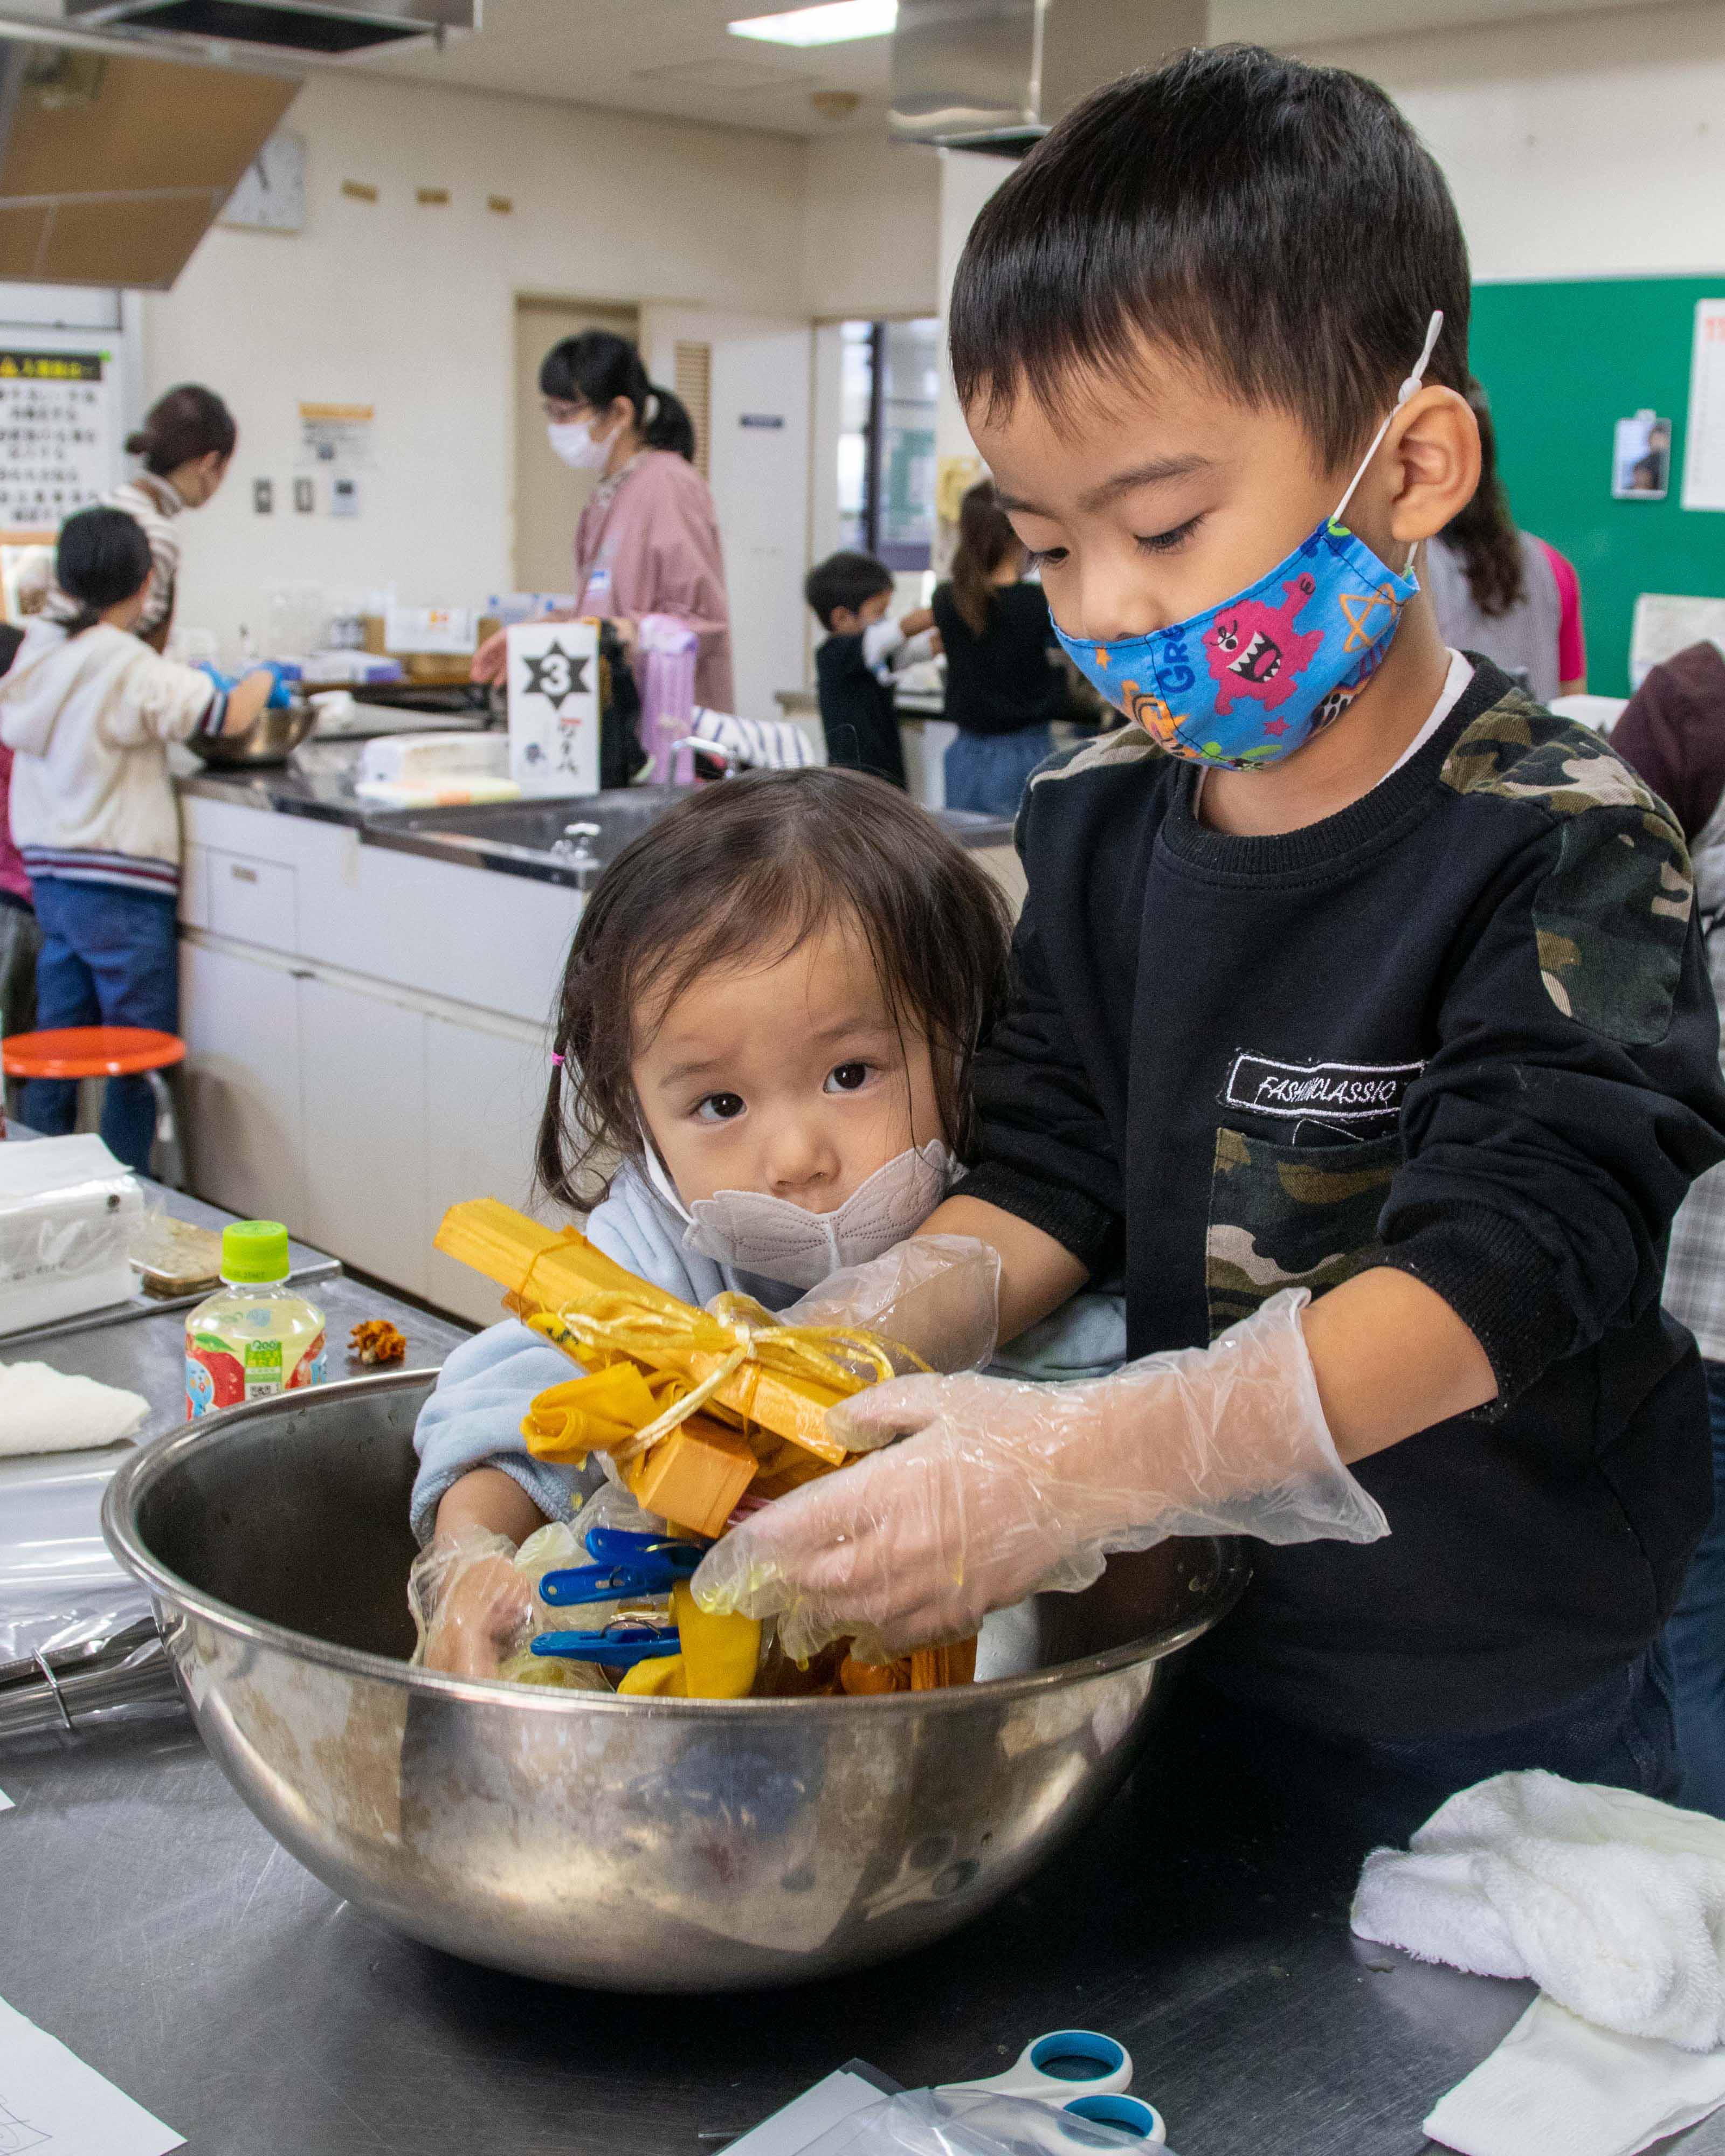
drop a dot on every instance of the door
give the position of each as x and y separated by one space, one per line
362 1084
759 405
242 1127
548 496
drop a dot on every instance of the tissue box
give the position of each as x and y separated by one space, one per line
68 1211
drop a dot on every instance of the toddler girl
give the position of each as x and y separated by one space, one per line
765 1032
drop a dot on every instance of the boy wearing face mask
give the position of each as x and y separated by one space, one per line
1346 973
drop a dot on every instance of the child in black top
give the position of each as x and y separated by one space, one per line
1005 684
1348 972
850 593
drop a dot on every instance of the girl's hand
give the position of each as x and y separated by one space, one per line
999 1489
480 1620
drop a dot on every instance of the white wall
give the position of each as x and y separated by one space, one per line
411 308
1589 145
872 232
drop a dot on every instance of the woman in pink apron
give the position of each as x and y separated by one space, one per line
648 541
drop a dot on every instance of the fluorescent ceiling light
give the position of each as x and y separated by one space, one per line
835 24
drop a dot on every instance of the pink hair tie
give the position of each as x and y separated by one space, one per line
557 1062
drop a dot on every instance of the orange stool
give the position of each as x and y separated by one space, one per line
107 1051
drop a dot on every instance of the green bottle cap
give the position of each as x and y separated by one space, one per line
254 1251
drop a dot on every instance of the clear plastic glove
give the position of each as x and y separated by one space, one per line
473 1607
939 1295
1002 1489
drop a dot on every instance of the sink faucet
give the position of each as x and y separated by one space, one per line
572 849
699 745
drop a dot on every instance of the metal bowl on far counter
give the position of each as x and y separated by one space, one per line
645 1845
276 735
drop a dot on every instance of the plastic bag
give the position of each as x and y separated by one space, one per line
966 2123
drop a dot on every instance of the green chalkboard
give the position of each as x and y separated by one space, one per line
1563 363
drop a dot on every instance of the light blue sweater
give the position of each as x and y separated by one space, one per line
474 1418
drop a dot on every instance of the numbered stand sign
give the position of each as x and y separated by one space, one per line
554 706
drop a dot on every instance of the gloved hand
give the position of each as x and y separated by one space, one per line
1000 1489
224 682
472 1607
281 696
939 1295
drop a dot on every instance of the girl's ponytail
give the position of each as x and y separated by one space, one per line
986 539
668 424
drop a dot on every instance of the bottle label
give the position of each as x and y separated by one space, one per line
216 1377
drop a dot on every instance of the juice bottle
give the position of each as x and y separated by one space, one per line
255 1336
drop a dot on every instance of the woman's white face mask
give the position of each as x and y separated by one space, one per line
574 441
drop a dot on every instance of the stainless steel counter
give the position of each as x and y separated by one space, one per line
147 1920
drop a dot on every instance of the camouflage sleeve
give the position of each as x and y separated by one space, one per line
1045 1150
1574 1093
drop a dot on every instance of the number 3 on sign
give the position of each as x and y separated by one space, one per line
554 707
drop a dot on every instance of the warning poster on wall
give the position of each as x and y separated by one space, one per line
336 437
58 447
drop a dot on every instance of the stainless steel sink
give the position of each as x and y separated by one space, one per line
570 840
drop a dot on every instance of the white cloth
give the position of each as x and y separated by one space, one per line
1557 2084
43 1410
1614 1905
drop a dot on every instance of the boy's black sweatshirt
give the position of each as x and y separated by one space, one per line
858 716
1462 1028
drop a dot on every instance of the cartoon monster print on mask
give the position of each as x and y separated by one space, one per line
1255 649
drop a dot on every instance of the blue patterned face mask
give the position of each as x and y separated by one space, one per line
1251 680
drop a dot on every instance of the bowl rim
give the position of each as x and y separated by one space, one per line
150 1462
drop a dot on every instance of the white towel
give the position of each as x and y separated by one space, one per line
1614 1905
43 1410
1558 2087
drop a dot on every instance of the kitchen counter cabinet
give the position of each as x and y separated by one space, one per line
243 1126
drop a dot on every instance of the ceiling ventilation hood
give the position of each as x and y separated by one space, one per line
327 28
996 74
114 161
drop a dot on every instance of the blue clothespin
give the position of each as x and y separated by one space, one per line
629 1565
618 1646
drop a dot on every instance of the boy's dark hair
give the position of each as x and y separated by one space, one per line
744 870
845 579
102 557
1280 225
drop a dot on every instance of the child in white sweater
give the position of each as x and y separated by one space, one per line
88 711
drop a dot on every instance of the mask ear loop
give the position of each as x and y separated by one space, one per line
1407 388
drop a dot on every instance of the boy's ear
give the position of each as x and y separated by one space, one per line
1436 438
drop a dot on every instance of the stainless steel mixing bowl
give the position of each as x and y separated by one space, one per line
273 740
641 1846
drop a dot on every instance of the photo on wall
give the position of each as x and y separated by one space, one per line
1642 457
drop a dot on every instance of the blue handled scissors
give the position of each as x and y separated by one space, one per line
1081 2073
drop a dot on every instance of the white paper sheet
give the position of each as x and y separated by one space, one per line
803 2121
1704 445
51 2101
6 1805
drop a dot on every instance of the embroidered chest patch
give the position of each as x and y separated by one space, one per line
1321 1092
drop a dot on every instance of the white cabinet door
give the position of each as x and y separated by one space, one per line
484 1086
362 1080
245 1136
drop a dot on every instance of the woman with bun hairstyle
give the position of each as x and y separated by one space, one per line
187 442
648 541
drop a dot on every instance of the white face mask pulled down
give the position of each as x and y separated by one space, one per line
574 440
760 1234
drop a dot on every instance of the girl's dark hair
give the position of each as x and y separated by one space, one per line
596 368
102 557
986 539
1484 534
744 870
1278 225
187 422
